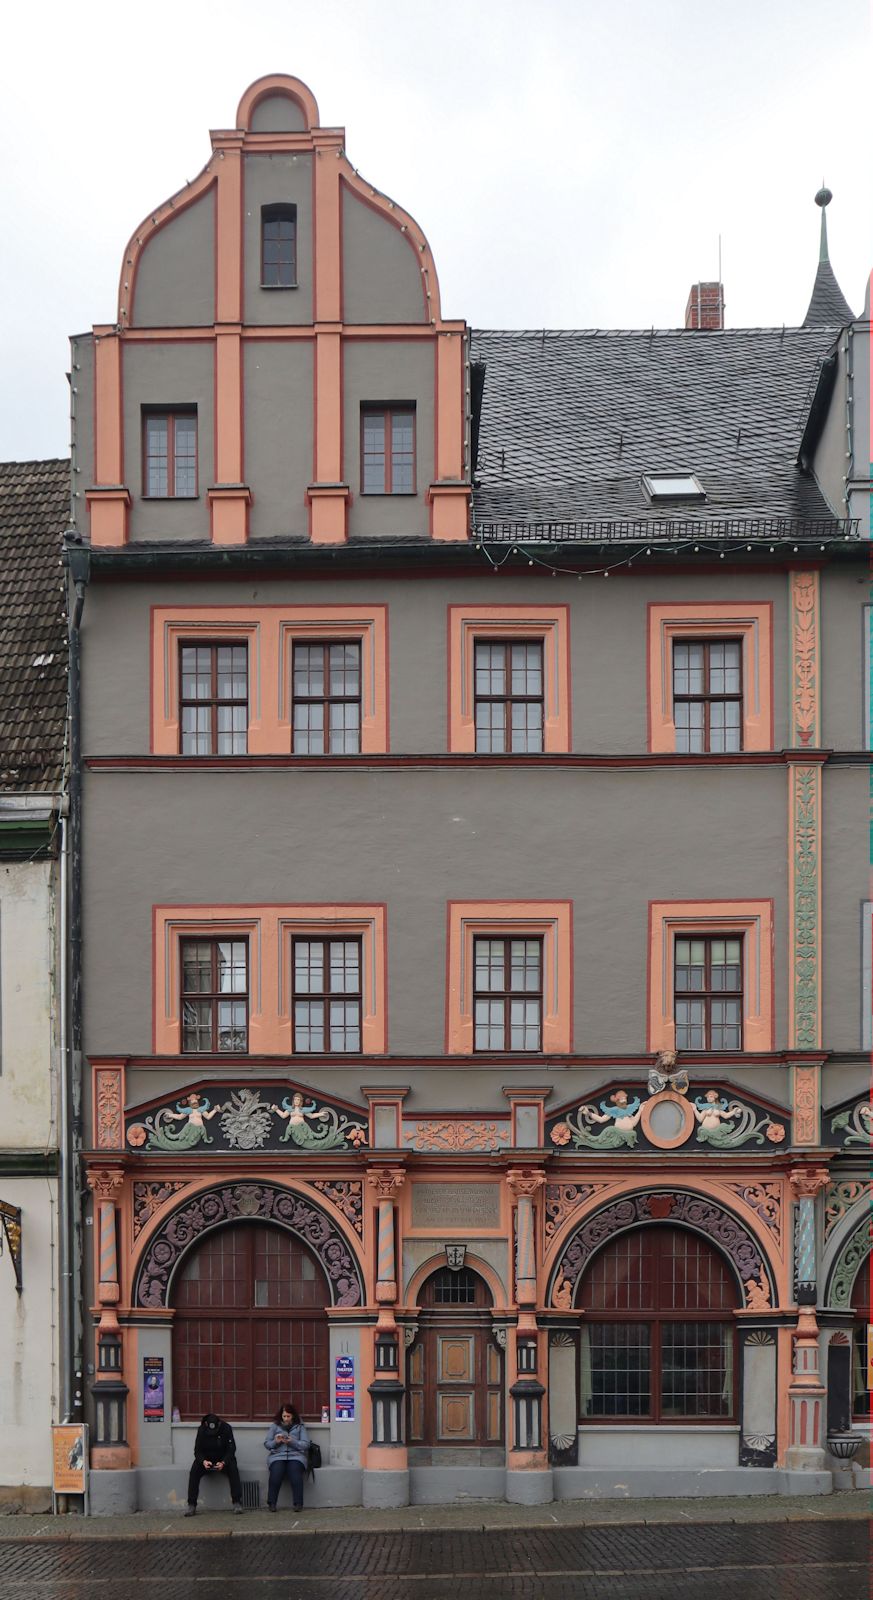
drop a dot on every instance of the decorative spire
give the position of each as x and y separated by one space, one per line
828 307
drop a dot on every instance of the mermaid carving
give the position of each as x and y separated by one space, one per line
193 1113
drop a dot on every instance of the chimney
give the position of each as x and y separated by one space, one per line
705 308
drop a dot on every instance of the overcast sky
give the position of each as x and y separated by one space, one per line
572 162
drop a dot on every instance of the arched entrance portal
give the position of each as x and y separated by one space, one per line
250 1328
658 1339
455 1367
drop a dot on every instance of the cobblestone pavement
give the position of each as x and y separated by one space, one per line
827 1560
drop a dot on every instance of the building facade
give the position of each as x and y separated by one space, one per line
475 764
34 1222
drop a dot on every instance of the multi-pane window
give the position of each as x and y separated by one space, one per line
215 995
508 692
327 995
250 1324
708 695
388 450
708 993
279 247
213 699
508 994
170 454
658 1339
327 699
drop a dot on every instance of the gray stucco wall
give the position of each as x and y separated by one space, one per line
381 268
607 630
278 433
277 113
845 886
175 278
384 370
278 179
82 424
418 839
168 375
844 593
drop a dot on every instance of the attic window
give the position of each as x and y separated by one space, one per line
673 486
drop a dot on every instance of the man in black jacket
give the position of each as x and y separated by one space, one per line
214 1451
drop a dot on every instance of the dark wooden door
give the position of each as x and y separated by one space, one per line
455 1368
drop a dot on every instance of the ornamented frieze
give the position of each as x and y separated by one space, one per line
631 1117
263 1117
562 1199
447 1133
805 1020
695 1211
850 1125
148 1199
765 1199
348 1197
108 1095
236 1202
840 1198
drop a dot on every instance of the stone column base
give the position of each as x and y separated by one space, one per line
113 1494
805 1458
381 1491
529 1488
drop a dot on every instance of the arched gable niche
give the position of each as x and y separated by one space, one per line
246 1202
681 1209
845 1269
477 1264
277 103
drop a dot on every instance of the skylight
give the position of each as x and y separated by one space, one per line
673 486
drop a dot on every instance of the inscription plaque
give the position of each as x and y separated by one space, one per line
456 1205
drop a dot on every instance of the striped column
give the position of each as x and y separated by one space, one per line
386 1181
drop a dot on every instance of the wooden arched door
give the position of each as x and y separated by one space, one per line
455 1367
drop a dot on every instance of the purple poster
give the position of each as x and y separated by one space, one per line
344 1399
153 1388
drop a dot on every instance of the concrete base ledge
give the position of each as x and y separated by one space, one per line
530 1488
589 1483
442 1486
166 1488
113 1493
382 1491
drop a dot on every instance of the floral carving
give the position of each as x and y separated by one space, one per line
347 1194
855 1124
854 1252
449 1134
839 1199
148 1198
245 1122
229 1203
805 643
562 1199
110 1134
765 1199
805 1105
805 793
105 1182
704 1215
715 1118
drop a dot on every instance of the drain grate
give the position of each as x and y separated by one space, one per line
251 1495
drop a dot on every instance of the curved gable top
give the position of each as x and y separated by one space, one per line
275 88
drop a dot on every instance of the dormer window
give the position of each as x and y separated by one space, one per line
673 486
279 247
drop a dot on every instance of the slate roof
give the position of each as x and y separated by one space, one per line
34 512
828 307
570 421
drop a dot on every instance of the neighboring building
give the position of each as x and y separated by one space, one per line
388 953
34 513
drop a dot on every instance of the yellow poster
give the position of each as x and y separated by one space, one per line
69 1455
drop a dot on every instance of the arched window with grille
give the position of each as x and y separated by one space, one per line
250 1327
862 1345
658 1335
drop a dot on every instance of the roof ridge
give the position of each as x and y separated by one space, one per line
644 333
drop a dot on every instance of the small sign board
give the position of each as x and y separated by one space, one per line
344 1384
153 1388
70 1458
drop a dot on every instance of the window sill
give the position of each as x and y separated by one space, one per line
173 499
388 494
271 288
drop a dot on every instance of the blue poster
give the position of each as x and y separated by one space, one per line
344 1398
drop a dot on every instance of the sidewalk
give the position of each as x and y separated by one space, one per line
479 1515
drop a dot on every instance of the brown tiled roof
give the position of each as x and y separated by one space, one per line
34 512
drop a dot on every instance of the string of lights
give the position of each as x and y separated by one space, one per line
535 559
